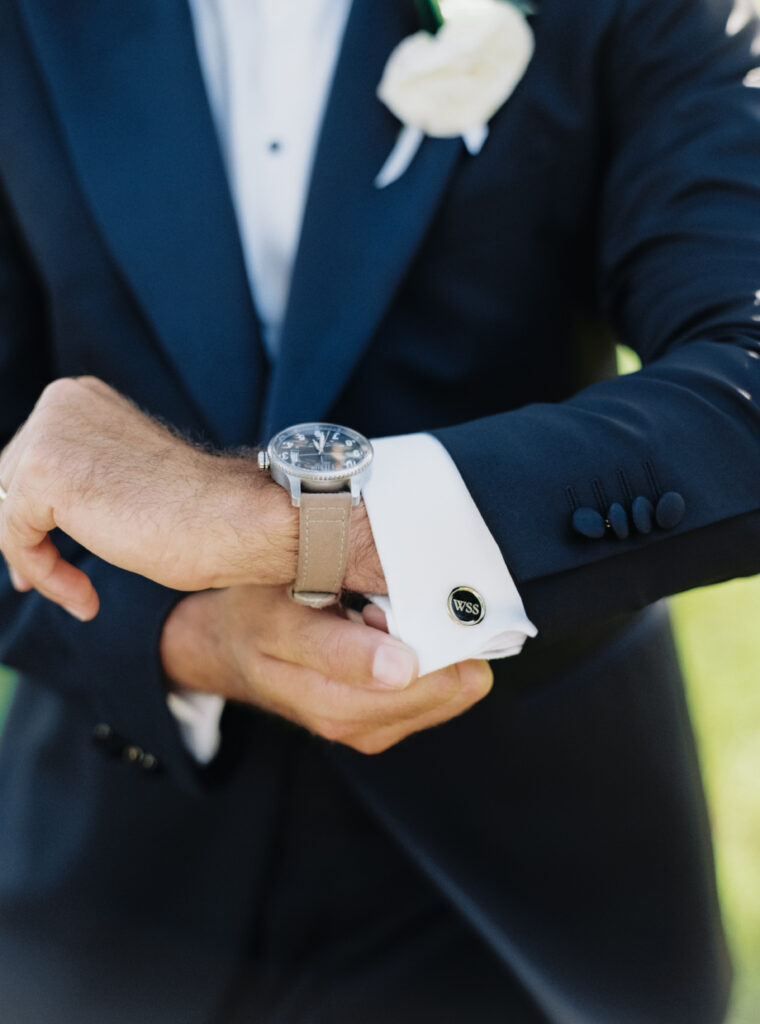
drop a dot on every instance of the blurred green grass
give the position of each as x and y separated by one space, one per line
6 691
718 633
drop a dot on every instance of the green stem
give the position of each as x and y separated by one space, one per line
429 13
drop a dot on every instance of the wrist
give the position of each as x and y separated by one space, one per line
251 531
184 646
196 653
252 526
364 572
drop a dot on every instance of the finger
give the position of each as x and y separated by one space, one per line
476 681
374 616
41 567
20 583
9 459
337 710
337 648
26 544
17 580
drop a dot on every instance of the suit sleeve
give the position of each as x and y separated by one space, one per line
111 665
678 269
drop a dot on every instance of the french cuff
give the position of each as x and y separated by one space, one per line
439 557
198 717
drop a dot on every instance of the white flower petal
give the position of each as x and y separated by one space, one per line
475 138
457 79
408 142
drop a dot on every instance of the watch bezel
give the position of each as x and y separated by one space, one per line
311 475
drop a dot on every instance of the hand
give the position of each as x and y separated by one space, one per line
132 492
346 681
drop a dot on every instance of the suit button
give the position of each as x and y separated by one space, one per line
589 523
671 509
643 515
149 763
618 520
102 732
108 741
133 754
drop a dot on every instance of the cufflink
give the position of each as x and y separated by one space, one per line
466 606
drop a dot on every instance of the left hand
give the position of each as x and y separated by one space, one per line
346 681
129 490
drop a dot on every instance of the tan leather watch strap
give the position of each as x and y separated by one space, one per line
323 550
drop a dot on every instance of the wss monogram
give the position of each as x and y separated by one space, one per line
466 606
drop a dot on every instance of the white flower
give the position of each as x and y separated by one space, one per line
447 84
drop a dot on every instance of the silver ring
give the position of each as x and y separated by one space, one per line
3 493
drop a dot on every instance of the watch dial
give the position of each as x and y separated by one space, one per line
321 449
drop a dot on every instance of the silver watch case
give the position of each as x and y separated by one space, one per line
294 481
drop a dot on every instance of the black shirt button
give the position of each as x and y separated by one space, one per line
589 523
643 515
618 520
671 509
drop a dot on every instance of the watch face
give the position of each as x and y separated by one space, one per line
320 451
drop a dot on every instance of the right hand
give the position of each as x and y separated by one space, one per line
137 495
333 676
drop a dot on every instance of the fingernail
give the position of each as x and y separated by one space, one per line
394 667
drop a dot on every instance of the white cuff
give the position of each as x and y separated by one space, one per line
431 539
199 716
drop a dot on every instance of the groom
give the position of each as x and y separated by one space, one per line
544 857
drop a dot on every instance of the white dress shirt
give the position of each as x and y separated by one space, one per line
268 65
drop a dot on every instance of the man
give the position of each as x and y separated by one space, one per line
543 857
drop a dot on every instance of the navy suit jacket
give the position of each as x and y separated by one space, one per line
477 297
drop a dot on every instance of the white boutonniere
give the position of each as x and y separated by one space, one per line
450 78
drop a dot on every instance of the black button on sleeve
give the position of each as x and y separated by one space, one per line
618 520
671 509
108 741
643 515
589 523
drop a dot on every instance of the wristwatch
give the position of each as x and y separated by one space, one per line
323 467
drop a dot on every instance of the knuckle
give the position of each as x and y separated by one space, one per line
449 685
340 654
334 730
250 666
373 744
476 678
37 462
57 391
12 534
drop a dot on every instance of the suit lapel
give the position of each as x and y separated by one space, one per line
125 83
357 241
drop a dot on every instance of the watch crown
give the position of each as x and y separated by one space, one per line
263 459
